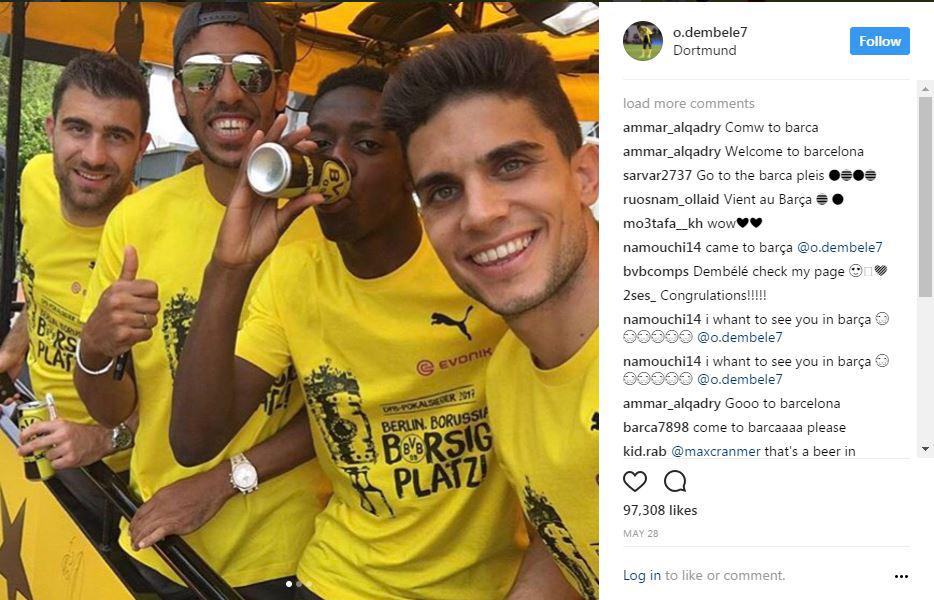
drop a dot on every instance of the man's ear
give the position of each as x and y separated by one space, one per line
50 130
586 166
181 105
144 141
282 91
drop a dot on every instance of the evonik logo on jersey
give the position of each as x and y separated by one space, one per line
426 367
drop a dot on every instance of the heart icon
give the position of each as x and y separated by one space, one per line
742 221
755 221
881 269
634 480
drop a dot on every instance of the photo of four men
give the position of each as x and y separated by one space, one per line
394 395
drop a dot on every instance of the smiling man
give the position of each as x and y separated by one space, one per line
246 522
506 187
97 130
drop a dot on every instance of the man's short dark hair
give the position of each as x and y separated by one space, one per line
364 76
485 63
105 76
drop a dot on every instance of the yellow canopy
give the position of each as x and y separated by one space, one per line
91 25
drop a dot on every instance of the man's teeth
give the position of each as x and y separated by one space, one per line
502 251
231 125
92 177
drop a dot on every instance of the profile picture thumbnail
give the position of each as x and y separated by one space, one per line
643 40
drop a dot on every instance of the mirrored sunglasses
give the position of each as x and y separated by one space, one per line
201 73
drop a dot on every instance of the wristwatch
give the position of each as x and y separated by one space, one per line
243 475
121 437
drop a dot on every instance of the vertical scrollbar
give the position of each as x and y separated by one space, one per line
925 274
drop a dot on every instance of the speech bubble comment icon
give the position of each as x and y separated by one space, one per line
675 481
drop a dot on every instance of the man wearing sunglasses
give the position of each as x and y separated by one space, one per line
391 356
248 511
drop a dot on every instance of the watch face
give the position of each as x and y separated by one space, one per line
244 476
122 439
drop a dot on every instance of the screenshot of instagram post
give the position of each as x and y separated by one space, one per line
299 301
767 387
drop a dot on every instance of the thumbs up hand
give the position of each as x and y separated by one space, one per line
130 264
125 315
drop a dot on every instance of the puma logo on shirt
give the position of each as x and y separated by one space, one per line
442 319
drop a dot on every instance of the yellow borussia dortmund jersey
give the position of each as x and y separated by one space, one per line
173 224
546 428
55 263
393 374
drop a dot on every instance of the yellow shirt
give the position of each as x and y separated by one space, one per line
546 428
173 224
393 373
55 263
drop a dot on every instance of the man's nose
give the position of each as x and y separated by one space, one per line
94 152
228 90
342 152
483 206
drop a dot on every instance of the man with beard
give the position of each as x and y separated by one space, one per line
247 510
97 130
506 186
391 356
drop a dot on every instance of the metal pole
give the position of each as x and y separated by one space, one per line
186 563
472 13
11 179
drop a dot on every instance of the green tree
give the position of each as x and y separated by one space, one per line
38 83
